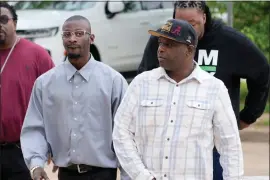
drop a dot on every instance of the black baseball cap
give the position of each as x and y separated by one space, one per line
178 30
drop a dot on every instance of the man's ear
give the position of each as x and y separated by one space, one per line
204 18
92 38
15 24
189 50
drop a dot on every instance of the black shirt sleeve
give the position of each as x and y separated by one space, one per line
253 66
149 60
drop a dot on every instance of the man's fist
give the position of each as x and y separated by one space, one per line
243 125
40 174
54 169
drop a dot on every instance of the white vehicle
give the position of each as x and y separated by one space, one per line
121 28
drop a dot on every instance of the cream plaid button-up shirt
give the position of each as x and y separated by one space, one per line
167 130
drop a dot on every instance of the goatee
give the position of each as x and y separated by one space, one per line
2 41
73 56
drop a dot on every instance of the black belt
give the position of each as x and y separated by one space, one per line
10 144
82 168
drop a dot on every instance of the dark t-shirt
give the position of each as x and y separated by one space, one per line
27 62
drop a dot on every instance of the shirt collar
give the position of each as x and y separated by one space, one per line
85 71
196 74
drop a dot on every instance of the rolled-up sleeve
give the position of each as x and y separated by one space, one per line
227 138
33 140
123 136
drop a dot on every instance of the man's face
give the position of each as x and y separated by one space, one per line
7 26
194 16
77 38
171 53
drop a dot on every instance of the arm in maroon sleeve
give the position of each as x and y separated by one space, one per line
44 61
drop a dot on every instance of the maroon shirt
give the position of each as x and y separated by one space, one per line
26 63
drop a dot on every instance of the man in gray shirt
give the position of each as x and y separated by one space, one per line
71 110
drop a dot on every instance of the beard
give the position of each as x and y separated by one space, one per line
3 38
73 56
2 42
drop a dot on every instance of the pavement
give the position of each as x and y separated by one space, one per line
255 143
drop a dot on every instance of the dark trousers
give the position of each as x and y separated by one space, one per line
97 174
12 165
217 174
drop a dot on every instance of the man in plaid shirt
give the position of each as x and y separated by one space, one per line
171 117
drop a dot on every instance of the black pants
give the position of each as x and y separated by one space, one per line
100 174
217 169
12 165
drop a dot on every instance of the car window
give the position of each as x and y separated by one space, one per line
167 4
57 5
149 5
132 6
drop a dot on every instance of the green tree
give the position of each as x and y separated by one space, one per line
252 18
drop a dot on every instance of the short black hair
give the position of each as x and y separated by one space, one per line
11 9
78 17
200 5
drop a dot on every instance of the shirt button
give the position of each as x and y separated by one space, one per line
75 119
166 157
70 81
171 121
76 103
77 86
174 103
73 150
177 85
168 139
74 134
165 175
83 81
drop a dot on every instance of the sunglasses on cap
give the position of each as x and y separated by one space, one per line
4 19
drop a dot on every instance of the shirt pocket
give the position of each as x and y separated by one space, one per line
152 112
197 113
151 103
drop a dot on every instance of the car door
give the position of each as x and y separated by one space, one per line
127 33
155 15
126 36
168 9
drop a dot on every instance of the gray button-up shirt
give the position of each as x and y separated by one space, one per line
72 112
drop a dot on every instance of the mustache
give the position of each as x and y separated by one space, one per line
2 31
73 46
161 57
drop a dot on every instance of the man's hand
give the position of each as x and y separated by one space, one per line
242 125
54 169
40 174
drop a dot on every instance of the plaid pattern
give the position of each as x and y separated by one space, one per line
167 130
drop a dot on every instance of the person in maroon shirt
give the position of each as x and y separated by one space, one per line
22 62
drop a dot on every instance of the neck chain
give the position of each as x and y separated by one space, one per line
11 50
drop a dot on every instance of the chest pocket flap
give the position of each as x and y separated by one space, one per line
152 102
203 105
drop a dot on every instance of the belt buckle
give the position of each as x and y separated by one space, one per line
3 144
79 169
